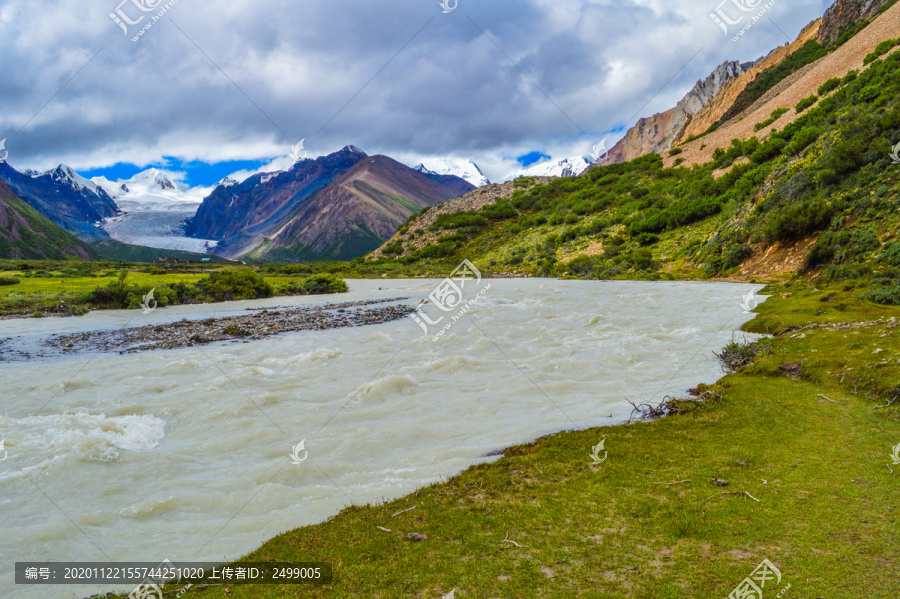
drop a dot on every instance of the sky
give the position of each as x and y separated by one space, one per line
218 86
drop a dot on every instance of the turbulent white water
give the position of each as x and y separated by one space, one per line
184 454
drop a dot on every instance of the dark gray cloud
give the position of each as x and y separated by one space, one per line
448 91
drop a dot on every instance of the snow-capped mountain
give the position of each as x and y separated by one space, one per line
153 190
464 169
568 167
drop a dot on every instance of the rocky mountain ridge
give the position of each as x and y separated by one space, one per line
64 197
711 99
338 206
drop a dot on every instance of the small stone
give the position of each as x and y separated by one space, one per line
741 463
416 537
719 482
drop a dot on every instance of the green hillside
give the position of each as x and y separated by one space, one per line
827 180
25 233
117 251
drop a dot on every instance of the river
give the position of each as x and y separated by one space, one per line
185 454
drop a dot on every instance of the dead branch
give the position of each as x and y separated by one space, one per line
733 493
511 542
403 511
677 482
888 404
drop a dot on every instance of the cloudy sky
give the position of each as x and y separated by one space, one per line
215 86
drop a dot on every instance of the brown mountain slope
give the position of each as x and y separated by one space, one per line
658 133
837 64
360 210
729 85
25 233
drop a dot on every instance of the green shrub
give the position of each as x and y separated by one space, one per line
798 220
499 211
675 151
806 103
888 296
4 281
880 50
393 249
768 150
776 114
458 220
230 285
647 239
324 283
830 85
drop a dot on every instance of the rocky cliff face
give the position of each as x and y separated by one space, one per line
843 14
660 132
712 98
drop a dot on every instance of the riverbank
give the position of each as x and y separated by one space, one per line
787 460
254 326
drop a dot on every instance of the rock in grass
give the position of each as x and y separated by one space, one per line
416 537
719 482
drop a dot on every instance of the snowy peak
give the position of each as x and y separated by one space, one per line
568 167
152 190
459 167
66 176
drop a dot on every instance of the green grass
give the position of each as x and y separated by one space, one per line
648 522
52 288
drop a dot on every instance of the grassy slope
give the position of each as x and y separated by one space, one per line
648 522
42 239
827 174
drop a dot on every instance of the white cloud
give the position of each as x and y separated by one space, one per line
450 91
